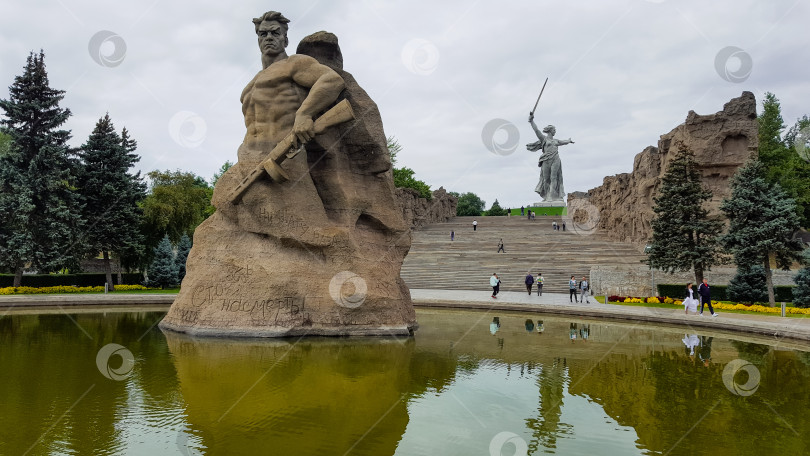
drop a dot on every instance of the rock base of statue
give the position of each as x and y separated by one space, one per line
559 203
319 255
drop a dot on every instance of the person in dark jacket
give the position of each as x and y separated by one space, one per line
705 297
529 282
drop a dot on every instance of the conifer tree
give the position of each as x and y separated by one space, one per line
163 270
684 236
762 222
183 247
801 293
748 285
496 209
40 212
110 194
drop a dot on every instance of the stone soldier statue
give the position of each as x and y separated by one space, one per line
307 238
550 186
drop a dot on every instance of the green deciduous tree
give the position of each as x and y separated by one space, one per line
183 248
496 210
111 194
394 147
176 204
222 169
403 178
469 204
40 221
163 269
762 222
684 235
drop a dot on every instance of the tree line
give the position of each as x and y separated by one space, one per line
769 203
60 205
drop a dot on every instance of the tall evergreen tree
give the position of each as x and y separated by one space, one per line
40 220
798 139
110 194
163 270
773 152
783 165
183 248
801 293
762 222
684 236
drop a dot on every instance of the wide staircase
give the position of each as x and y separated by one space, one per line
468 262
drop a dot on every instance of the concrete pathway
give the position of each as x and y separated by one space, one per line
550 303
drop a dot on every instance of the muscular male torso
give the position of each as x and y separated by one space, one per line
269 104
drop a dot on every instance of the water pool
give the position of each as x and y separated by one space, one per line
468 383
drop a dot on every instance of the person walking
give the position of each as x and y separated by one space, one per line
475 224
563 226
529 282
452 235
705 297
572 290
500 246
583 286
689 302
539 284
522 209
554 225
495 283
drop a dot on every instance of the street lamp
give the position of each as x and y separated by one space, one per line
647 250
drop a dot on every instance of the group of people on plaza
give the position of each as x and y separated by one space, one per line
690 303
581 288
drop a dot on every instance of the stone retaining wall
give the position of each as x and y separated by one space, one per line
631 280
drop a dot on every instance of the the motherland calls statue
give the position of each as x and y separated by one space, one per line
307 238
550 186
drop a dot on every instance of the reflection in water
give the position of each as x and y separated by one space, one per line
559 386
322 396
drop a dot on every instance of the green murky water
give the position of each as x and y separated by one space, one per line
464 385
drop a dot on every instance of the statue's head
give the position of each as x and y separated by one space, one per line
271 29
550 130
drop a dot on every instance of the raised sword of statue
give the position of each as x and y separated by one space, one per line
531 114
285 149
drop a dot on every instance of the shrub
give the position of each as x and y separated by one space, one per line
79 280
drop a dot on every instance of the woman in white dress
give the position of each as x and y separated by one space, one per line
689 302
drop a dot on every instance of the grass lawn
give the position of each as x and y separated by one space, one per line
542 211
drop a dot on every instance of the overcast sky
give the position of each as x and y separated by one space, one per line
621 73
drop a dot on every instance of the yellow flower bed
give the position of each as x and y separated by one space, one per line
753 308
66 289
653 300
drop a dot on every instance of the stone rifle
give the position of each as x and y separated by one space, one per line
338 114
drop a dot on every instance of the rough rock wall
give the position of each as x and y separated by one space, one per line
419 212
721 142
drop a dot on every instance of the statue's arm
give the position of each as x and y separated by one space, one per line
537 131
562 142
324 87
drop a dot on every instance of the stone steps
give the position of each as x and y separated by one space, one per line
435 262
